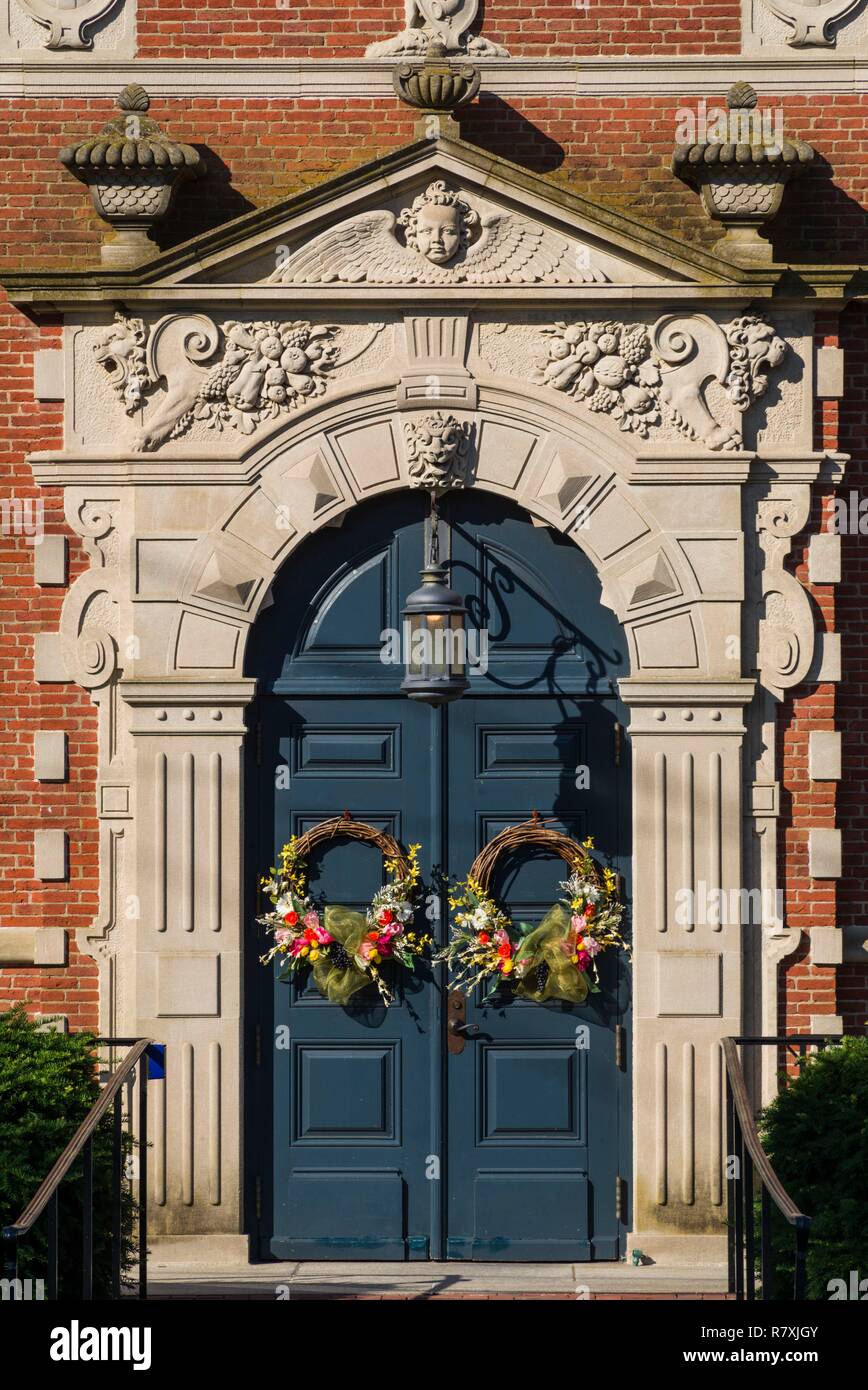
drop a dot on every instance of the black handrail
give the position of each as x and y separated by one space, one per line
750 1163
45 1197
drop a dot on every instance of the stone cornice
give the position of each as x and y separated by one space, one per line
676 75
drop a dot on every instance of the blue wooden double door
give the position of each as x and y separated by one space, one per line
371 1136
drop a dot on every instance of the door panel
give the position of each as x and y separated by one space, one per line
369 1139
535 1096
350 1136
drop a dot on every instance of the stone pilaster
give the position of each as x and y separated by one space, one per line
188 741
687 740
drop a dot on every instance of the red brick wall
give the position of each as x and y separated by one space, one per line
544 29
615 150
851 609
25 804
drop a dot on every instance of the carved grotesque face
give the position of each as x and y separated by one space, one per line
437 446
438 232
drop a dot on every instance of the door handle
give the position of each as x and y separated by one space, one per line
457 1027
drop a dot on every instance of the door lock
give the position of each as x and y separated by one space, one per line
457 1027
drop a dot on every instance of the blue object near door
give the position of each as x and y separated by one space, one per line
369 1138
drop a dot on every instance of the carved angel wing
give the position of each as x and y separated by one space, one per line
513 250
363 249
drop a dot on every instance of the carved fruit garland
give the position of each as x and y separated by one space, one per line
267 368
642 376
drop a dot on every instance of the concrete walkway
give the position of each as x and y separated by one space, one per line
425 1280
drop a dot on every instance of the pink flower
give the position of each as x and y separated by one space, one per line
384 946
393 929
592 947
298 945
584 960
282 935
501 937
311 919
368 949
577 922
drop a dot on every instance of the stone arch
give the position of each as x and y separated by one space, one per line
566 472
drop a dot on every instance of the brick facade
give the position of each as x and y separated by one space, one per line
613 149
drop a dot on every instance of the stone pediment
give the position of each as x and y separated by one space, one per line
433 220
446 217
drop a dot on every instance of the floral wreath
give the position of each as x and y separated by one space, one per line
342 947
558 958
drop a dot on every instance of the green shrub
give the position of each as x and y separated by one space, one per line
48 1083
816 1135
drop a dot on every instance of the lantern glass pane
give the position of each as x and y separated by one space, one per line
458 645
437 644
417 638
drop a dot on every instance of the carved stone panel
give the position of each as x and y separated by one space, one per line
39 27
441 238
805 27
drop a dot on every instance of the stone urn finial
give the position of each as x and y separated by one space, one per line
133 171
740 164
437 87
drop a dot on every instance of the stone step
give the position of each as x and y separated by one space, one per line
425 1280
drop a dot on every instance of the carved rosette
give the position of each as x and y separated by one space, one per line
741 176
133 171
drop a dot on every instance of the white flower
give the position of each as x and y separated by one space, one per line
479 919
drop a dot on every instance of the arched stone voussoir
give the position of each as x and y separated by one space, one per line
565 473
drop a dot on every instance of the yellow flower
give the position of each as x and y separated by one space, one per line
314 953
507 967
305 950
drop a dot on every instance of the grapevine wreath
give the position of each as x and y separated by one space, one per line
555 960
344 948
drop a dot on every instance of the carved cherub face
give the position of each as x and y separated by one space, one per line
439 224
438 233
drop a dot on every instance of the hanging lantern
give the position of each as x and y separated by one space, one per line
435 640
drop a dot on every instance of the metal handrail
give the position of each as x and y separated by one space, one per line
744 1145
782 1200
46 1195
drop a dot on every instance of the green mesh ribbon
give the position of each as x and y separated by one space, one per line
547 968
338 982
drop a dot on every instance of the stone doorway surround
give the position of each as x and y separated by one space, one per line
192 469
